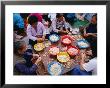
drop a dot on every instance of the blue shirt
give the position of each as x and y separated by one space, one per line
71 15
89 16
18 20
92 28
22 68
28 56
27 68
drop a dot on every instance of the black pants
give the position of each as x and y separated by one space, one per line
47 36
32 43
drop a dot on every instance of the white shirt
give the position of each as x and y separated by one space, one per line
91 66
55 24
52 16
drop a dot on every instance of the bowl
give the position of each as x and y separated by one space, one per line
63 57
82 44
54 50
73 50
39 46
66 39
54 38
55 68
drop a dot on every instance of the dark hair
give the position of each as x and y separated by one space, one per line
59 15
50 22
20 31
16 28
24 15
95 15
32 19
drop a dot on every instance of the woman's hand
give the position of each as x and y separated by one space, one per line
39 39
89 52
38 60
91 34
36 55
83 56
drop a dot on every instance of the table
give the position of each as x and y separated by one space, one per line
46 58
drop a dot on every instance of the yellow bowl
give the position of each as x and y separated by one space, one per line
39 46
63 57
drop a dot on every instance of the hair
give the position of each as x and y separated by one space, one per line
50 22
16 28
59 15
32 19
20 31
24 15
18 45
95 15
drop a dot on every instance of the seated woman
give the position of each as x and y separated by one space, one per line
35 30
91 37
91 30
30 60
89 68
90 33
48 28
19 33
59 24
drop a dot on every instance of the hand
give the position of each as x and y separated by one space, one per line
39 39
36 55
38 60
64 32
81 18
59 30
94 34
89 52
83 56
88 34
43 37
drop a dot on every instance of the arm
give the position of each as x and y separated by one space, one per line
90 34
54 25
91 65
84 15
44 31
77 15
83 55
94 34
26 70
85 34
29 34
31 70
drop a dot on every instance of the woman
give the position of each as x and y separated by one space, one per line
35 30
27 61
59 24
89 68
